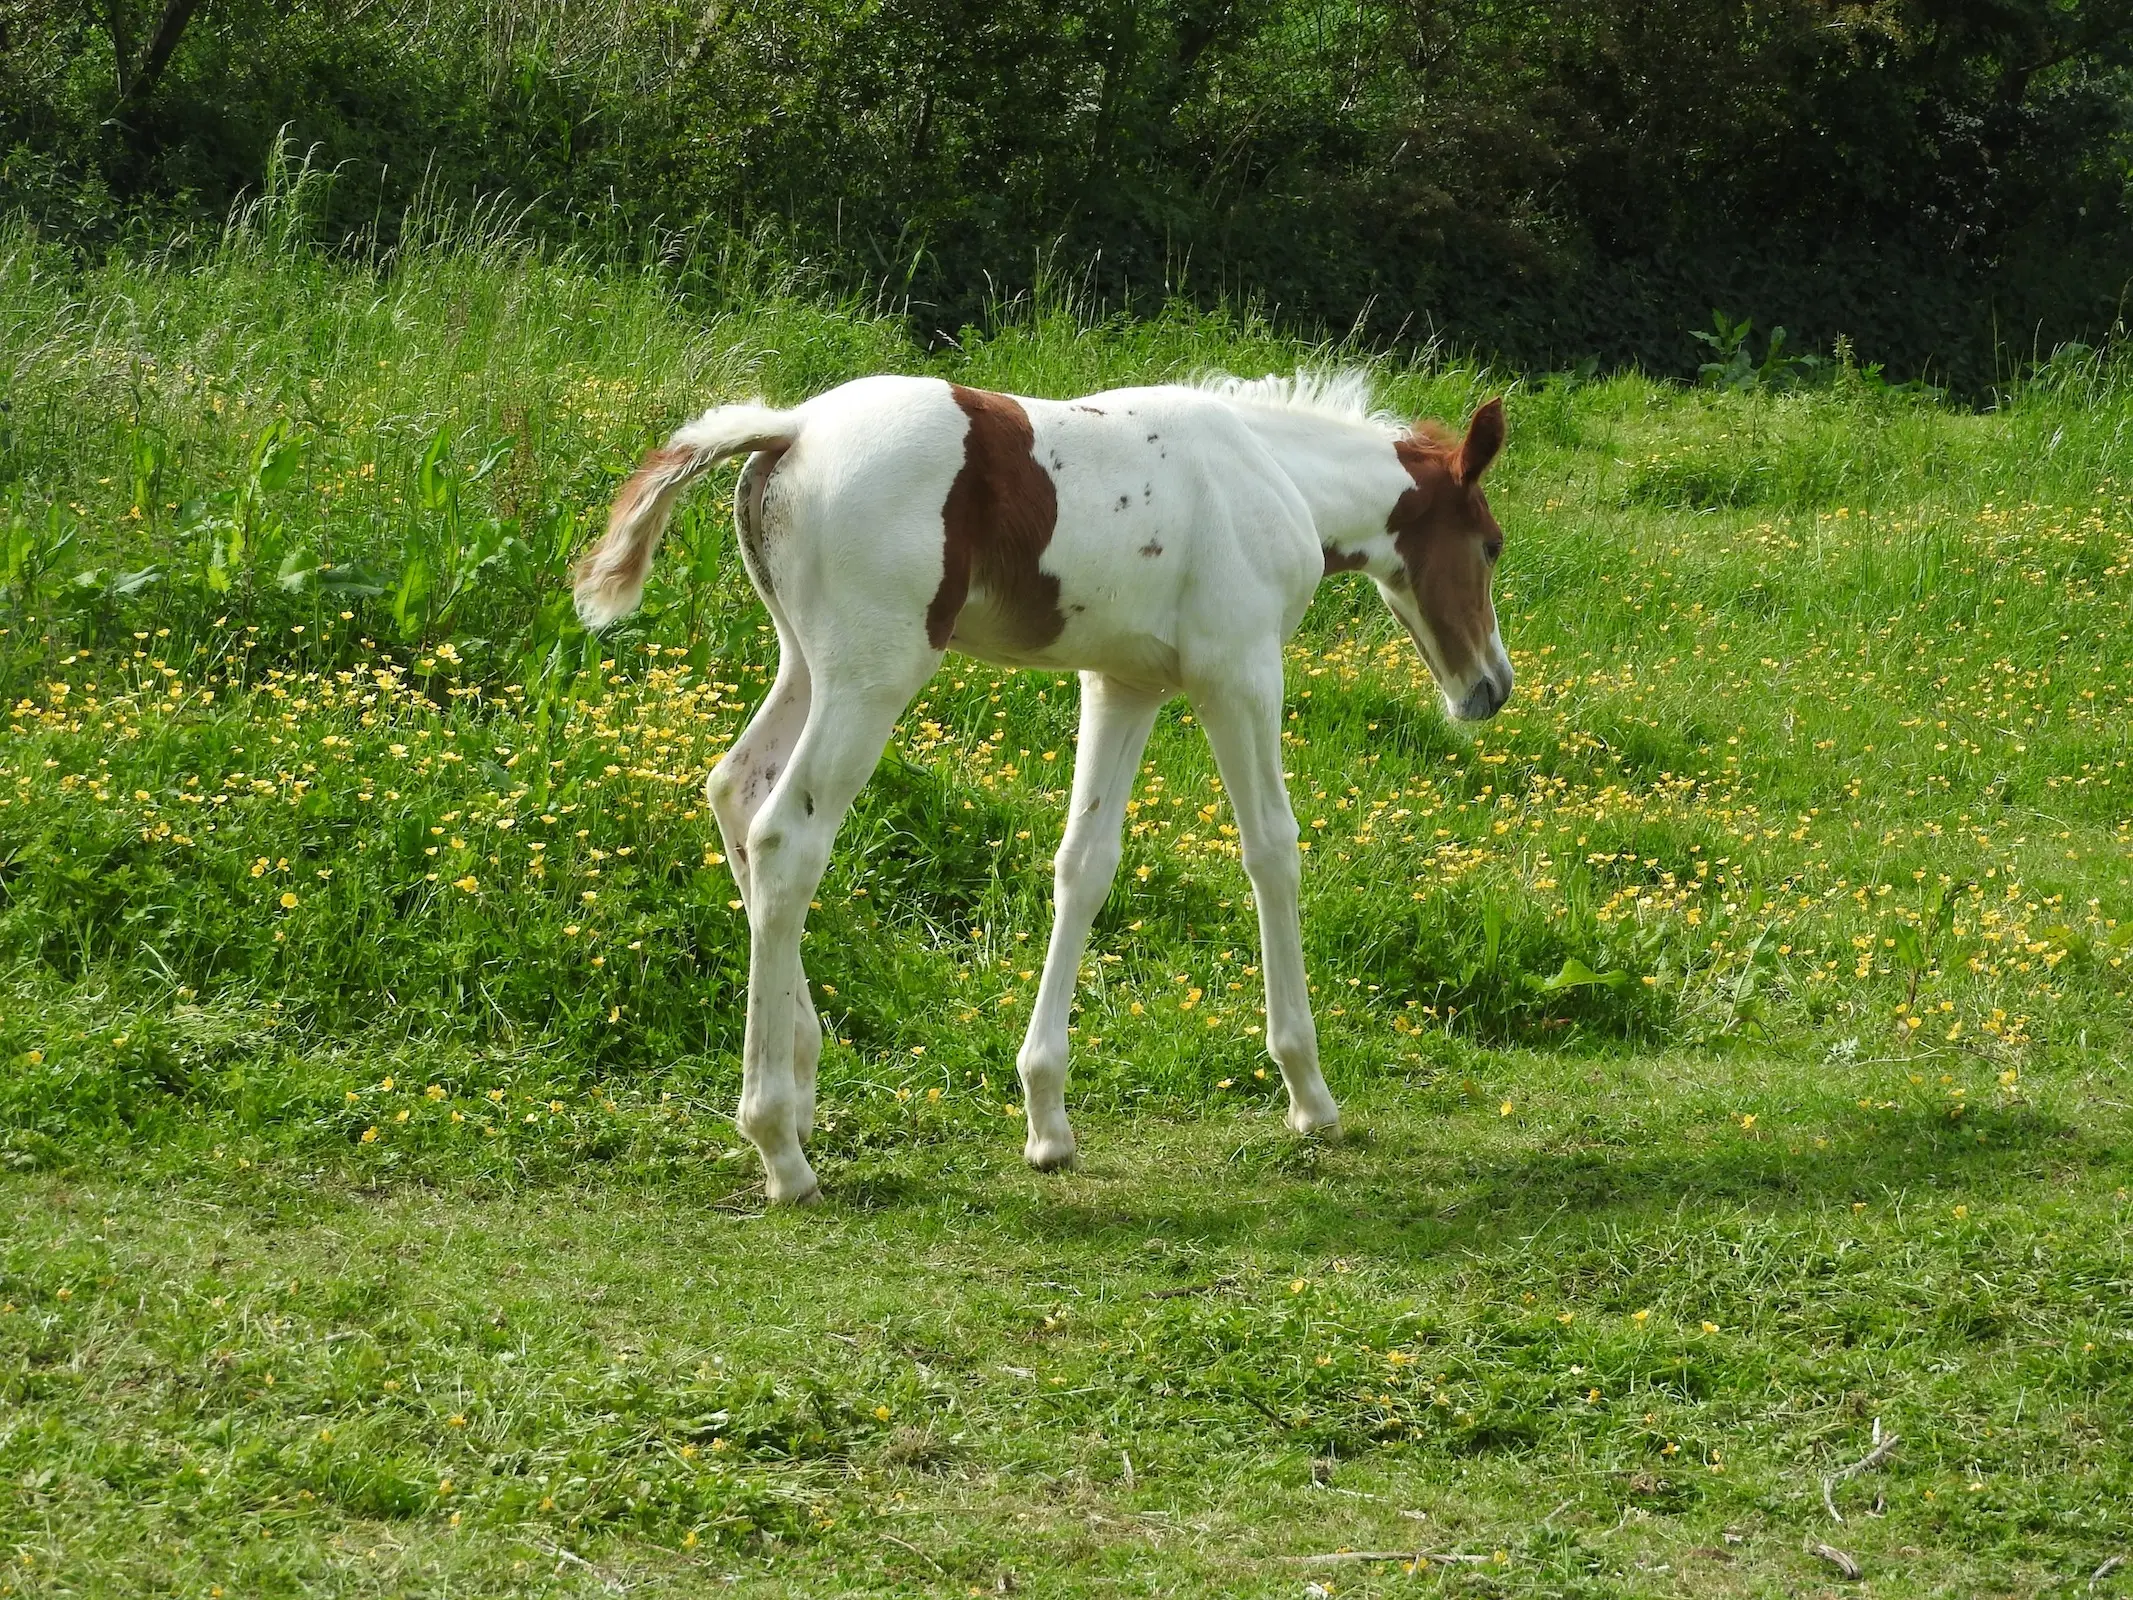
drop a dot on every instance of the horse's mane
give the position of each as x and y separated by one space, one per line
1344 394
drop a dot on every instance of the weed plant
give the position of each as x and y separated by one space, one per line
1733 1031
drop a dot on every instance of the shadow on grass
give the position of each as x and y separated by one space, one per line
1402 1187
1369 1197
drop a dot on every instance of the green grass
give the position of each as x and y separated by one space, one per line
372 1000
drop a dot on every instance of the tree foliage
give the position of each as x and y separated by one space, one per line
1947 183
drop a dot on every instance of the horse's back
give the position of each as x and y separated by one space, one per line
1071 533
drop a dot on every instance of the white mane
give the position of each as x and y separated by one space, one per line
1342 394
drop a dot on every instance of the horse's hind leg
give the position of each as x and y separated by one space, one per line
1114 727
737 789
849 719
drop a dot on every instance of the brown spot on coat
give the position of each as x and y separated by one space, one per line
1342 560
997 521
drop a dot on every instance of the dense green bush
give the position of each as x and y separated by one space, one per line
1945 184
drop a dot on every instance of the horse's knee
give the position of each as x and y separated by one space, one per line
1085 869
787 854
1294 1046
722 789
770 840
1275 861
1042 1064
740 784
765 1117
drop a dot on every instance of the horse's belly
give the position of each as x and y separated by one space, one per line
1141 657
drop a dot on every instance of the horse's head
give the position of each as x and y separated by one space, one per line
1448 544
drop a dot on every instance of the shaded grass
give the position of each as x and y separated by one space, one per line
1617 1299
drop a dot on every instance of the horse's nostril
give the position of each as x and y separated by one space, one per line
1481 701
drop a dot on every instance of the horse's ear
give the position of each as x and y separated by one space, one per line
1484 437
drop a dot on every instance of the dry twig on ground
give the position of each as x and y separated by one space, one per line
1883 1449
1335 1558
1849 1569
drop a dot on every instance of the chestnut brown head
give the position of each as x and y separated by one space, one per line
1448 544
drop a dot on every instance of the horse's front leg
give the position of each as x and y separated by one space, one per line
1115 721
1241 711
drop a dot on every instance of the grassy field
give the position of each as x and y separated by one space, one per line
1733 1035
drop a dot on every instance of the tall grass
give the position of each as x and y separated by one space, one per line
1819 746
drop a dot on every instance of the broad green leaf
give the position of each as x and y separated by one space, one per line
126 583
296 569
1909 950
410 598
356 580
1576 975
433 481
279 465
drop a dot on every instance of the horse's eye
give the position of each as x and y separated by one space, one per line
1493 550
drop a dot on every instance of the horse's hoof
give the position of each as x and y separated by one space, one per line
797 1189
1327 1131
1051 1157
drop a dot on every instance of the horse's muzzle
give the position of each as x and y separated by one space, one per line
1487 696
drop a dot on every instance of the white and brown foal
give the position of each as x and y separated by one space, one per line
1157 541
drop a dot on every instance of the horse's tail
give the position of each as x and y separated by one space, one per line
608 580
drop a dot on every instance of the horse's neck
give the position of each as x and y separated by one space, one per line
1347 473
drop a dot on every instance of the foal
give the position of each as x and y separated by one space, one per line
1156 540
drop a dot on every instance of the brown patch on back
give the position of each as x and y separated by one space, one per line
998 519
